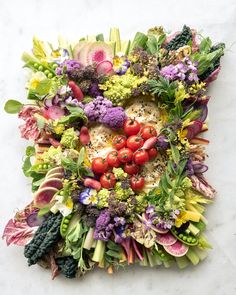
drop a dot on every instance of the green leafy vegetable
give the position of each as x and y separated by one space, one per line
13 106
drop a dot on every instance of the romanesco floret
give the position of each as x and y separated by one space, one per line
52 155
103 195
69 138
57 127
119 173
122 194
119 88
141 203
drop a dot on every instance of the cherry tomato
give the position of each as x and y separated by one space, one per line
141 157
119 142
131 168
134 142
137 182
148 131
152 153
99 165
112 159
108 180
125 155
131 127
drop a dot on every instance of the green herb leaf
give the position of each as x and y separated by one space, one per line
43 211
81 156
26 166
30 151
13 106
114 254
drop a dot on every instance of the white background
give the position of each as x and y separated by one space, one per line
19 21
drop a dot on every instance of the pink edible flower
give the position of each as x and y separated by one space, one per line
30 129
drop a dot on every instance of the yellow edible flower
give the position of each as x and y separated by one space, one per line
36 79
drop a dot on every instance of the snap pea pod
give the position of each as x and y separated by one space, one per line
64 225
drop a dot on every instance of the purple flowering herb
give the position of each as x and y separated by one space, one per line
68 66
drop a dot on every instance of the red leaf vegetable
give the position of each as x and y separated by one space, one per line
18 233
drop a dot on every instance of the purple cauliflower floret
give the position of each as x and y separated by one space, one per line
94 90
104 227
114 117
97 108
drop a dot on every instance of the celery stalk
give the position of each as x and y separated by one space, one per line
140 40
192 256
99 251
182 262
88 243
144 262
193 229
202 254
115 37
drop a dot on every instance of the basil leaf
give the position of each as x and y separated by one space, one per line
13 106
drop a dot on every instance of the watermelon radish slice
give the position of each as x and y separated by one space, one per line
160 230
166 239
105 67
52 182
43 196
55 170
54 112
56 175
98 52
178 249
80 52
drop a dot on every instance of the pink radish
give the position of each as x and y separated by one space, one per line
78 94
84 135
89 182
149 143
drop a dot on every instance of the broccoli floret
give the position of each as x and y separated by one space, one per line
69 138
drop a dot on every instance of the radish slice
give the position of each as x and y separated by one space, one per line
105 67
166 239
177 249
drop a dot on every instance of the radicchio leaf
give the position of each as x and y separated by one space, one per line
18 233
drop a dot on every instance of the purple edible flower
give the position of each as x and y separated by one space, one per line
67 67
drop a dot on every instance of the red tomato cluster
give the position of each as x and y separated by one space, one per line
132 150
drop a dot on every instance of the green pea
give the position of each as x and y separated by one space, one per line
45 166
54 66
193 240
162 255
61 193
50 75
64 225
184 238
46 72
36 65
189 240
181 236
40 68
40 166
66 221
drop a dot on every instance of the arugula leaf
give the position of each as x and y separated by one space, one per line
13 106
175 153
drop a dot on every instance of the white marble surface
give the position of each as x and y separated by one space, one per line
19 20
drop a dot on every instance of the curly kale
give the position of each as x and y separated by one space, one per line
215 64
67 266
181 39
46 236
